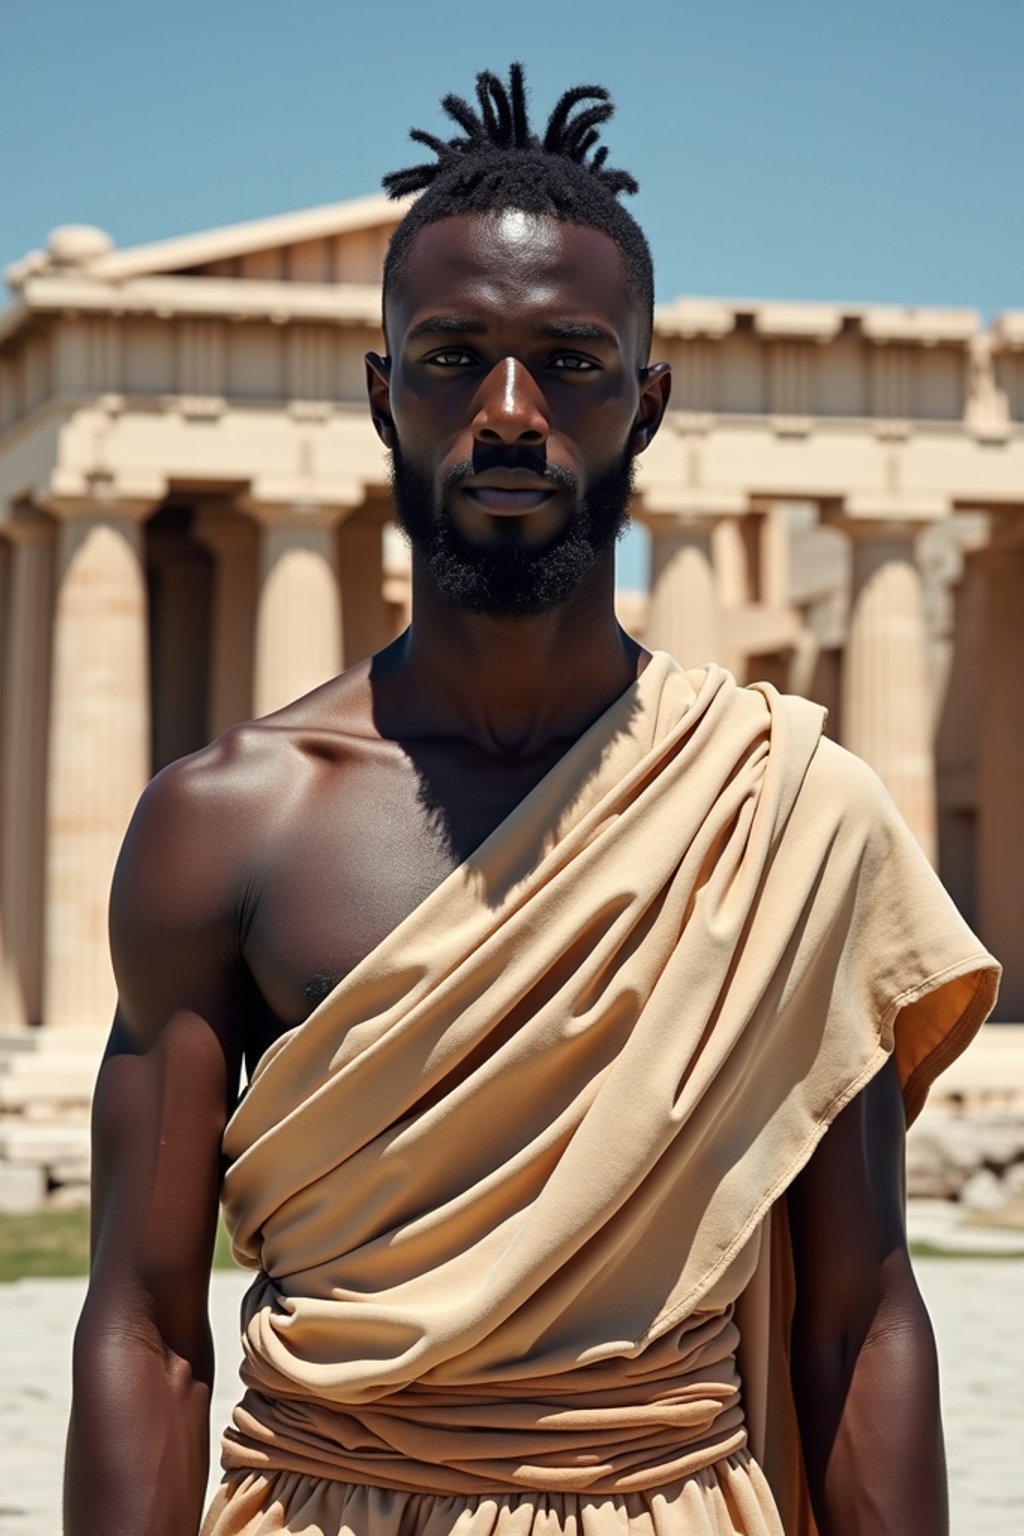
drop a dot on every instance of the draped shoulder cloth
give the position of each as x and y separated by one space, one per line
507 1188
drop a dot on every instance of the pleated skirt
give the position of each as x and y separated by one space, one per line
729 1498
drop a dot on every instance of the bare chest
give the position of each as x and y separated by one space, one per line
361 845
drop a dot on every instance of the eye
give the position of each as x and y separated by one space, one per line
572 362
452 357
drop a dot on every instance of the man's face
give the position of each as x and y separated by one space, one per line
513 404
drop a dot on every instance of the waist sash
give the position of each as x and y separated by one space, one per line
616 1426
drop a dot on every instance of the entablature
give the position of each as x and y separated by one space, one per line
244 346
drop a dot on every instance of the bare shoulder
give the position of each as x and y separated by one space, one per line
178 895
197 846
197 818
194 817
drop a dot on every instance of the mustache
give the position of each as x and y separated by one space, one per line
534 463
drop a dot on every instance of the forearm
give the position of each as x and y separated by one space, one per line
871 1430
138 1442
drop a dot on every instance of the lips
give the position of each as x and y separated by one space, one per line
508 491
492 499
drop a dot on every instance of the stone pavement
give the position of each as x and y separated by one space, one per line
975 1304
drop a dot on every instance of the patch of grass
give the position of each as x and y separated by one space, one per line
44 1243
49 1243
927 1250
222 1249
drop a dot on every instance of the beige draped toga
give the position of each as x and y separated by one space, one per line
507 1190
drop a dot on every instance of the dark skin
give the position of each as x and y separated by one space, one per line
233 914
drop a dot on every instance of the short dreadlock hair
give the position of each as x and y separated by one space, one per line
498 163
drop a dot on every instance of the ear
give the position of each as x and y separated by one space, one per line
655 388
378 392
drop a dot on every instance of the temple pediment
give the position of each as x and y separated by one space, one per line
336 243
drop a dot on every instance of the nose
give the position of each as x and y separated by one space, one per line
510 407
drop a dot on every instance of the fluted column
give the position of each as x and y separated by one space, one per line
367 626
26 693
958 729
397 589
885 709
233 541
774 557
298 604
98 748
5 608
1000 869
731 564
684 617
5 572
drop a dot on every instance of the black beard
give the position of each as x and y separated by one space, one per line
510 578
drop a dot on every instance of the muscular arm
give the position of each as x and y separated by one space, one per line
143 1363
865 1373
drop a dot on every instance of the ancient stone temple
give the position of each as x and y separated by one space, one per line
195 528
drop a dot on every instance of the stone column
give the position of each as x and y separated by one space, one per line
99 748
885 701
731 564
5 574
367 626
234 542
958 729
684 617
298 604
25 691
397 589
1000 870
775 582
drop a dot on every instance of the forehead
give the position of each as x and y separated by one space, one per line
516 267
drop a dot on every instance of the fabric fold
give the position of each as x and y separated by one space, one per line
732 1496
615 1426
537 1132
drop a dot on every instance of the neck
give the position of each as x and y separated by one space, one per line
512 687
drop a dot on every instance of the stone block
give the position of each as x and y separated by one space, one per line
70 1171
68 1197
940 1158
1001 1139
1013 1181
945 1150
983 1192
27 1143
22 1090
22 1189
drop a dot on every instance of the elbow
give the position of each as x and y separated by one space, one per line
115 1351
138 1436
899 1347
882 1349
898 1326
888 1317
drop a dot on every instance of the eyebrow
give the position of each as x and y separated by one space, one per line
579 330
465 325
452 325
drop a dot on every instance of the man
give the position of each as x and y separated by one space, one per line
576 994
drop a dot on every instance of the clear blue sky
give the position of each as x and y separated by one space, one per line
797 149
802 148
